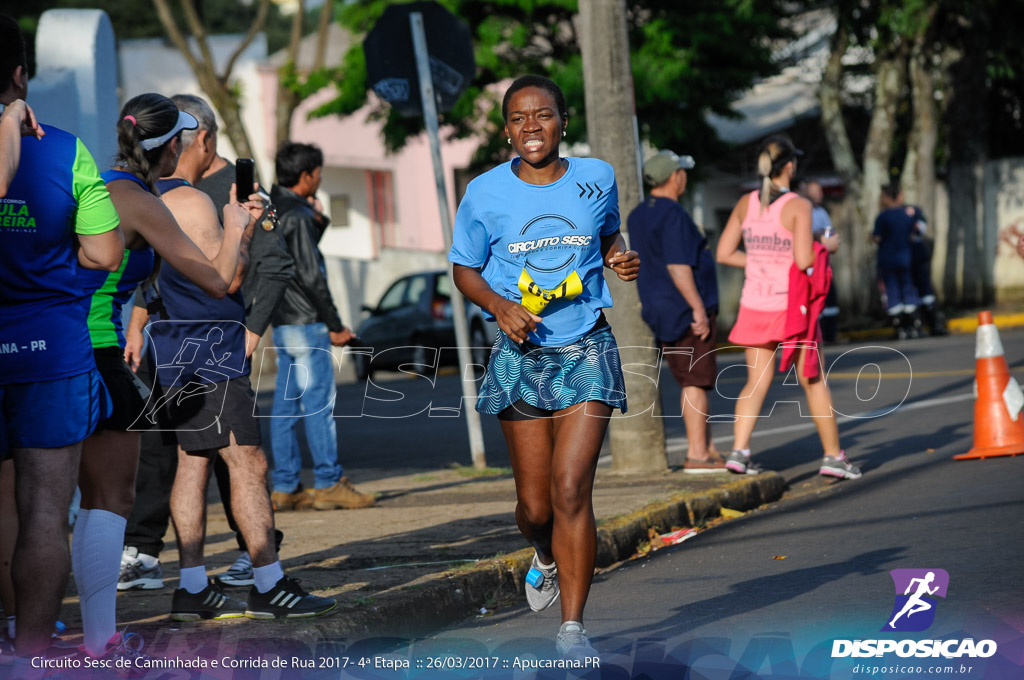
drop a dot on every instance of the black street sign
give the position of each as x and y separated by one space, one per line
391 63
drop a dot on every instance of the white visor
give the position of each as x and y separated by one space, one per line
186 121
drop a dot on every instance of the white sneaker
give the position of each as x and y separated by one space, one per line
134 574
541 585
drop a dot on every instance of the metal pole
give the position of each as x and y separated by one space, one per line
419 42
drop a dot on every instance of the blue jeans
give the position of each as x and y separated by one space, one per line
305 392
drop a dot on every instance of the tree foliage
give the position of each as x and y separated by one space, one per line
685 64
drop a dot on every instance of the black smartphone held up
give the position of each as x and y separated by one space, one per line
244 178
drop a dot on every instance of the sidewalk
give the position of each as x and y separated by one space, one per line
439 546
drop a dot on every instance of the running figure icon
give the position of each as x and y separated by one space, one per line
916 603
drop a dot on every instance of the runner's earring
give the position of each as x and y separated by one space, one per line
509 140
563 133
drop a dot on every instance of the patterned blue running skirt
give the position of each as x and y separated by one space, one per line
553 378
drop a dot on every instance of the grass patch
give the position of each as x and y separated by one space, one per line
470 471
424 478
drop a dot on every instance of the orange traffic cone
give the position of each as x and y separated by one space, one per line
998 423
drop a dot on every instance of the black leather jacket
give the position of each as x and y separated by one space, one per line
307 299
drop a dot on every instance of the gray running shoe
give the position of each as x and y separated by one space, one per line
541 585
839 466
572 639
134 574
240 573
741 464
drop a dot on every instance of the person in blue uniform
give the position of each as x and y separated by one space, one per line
894 229
531 239
57 216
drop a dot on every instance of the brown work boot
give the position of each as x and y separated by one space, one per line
300 499
341 495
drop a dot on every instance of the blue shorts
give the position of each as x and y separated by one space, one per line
553 378
51 414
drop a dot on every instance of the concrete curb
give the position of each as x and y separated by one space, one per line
963 324
969 324
454 595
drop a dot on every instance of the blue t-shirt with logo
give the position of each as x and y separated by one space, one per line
56 193
540 245
663 233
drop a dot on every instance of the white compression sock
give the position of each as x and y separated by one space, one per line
193 579
96 576
268 576
78 544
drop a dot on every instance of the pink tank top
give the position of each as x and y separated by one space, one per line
769 249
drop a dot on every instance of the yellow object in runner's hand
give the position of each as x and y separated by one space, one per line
536 298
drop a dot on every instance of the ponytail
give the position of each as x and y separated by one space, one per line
764 169
144 117
774 154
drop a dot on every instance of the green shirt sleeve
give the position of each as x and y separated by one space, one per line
96 213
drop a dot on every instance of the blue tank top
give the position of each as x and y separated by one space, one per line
110 291
56 193
203 339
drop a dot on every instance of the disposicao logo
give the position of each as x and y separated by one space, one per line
914 611
916 590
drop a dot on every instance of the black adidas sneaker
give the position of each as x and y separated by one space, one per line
208 603
286 600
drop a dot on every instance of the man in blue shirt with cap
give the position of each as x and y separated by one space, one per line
679 294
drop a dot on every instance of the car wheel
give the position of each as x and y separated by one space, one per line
418 358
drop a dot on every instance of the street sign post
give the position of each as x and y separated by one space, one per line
417 74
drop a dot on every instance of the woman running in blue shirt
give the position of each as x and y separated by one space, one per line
531 239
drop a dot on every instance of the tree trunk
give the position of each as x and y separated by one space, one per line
918 179
830 95
857 271
216 86
853 266
637 441
890 80
968 135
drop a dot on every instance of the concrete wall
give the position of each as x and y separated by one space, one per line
1004 222
75 85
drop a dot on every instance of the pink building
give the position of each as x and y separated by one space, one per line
384 209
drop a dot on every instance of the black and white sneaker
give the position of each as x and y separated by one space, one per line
286 600
209 603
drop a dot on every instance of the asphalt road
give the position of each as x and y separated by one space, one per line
405 421
766 595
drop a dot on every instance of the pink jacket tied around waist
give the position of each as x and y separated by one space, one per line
807 292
